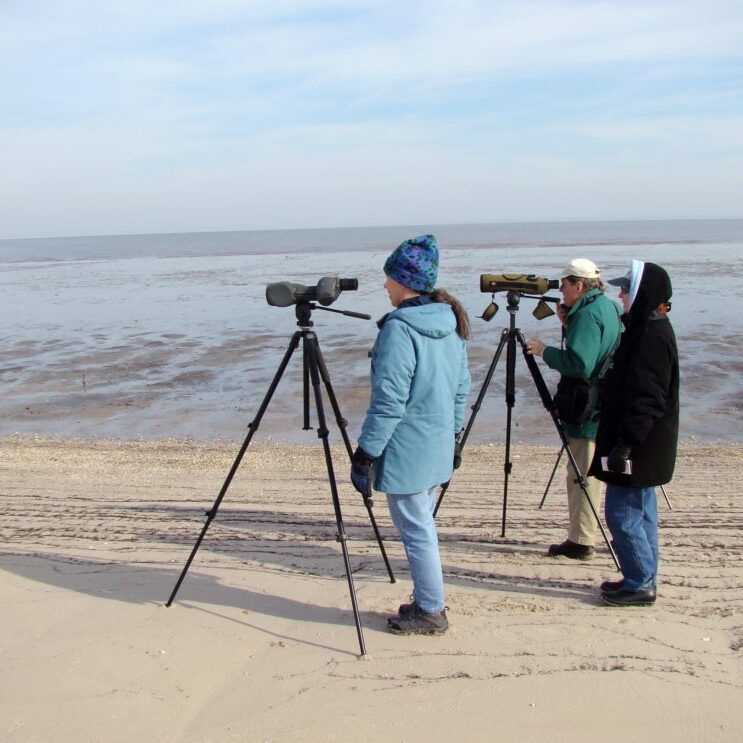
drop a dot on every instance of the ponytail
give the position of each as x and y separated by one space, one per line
463 321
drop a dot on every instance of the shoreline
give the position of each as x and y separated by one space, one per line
299 439
260 643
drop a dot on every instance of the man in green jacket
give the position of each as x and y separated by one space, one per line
592 331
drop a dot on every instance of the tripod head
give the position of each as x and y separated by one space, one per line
513 298
303 311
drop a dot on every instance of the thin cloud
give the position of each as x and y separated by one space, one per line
119 105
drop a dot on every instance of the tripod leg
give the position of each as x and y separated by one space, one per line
547 402
342 425
552 477
476 407
305 391
310 340
510 402
252 428
665 495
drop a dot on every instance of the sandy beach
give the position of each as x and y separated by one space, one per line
260 644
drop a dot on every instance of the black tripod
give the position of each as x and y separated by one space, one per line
508 340
314 370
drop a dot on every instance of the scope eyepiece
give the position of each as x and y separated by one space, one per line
348 285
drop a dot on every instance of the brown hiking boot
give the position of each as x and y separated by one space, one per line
414 621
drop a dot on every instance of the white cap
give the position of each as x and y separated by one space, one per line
581 268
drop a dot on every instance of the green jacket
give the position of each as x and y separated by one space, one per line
592 331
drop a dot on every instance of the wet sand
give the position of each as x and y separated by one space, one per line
260 643
178 341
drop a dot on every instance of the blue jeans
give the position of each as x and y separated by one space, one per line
412 514
632 518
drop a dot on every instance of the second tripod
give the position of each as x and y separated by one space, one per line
508 340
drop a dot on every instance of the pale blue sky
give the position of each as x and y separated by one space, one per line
218 115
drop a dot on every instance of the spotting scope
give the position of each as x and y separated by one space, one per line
326 291
516 282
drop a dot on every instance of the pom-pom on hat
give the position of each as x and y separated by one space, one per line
415 264
581 268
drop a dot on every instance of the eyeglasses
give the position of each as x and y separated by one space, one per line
624 290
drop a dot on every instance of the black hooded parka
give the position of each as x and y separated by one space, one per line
640 402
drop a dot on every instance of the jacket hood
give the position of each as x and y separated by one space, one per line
650 286
435 320
635 277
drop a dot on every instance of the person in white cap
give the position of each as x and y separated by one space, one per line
592 329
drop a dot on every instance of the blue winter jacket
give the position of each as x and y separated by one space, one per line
420 382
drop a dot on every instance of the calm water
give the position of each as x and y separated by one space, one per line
170 335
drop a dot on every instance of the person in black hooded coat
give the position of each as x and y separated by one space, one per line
638 431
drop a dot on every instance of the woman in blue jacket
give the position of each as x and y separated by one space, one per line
406 448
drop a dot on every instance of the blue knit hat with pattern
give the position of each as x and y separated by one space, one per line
415 264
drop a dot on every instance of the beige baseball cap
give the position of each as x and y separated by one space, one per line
581 268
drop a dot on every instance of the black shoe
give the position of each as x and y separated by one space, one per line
572 550
611 586
628 597
415 621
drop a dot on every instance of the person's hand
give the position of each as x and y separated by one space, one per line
562 313
362 472
535 347
618 458
457 453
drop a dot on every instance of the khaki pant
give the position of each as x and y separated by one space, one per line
582 528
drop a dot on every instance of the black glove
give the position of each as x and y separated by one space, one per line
457 453
617 459
362 471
